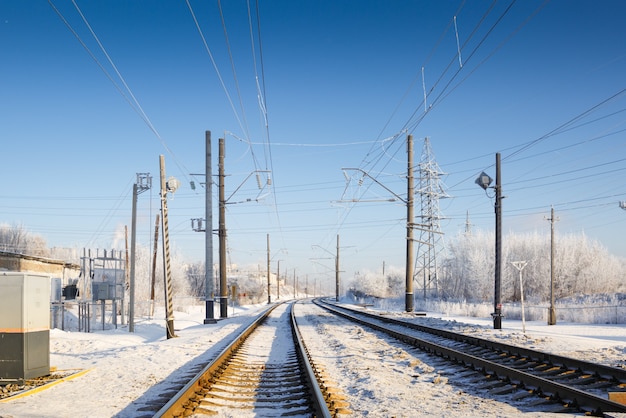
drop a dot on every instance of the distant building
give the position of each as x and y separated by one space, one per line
28 263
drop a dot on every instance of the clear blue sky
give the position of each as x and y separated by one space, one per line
342 84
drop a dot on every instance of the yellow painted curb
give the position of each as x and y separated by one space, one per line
43 387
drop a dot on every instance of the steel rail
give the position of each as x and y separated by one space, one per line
183 399
539 385
318 397
600 370
177 405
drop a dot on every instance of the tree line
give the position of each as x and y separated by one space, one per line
465 271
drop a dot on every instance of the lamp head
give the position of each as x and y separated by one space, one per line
483 180
172 184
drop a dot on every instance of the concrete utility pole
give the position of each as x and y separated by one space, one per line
552 311
197 226
143 183
154 260
209 292
278 280
410 218
131 286
337 271
410 197
269 295
169 303
222 234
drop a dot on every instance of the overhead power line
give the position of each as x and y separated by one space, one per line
126 93
217 71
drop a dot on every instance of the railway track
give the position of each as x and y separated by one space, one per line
575 385
263 373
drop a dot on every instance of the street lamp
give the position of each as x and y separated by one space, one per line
484 181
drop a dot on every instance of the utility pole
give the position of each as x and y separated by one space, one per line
337 271
552 311
131 287
222 234
197 226
269 295
127 274
384 279
154 260
410 218
171 185
497 297
409 226
278 281
143 183
209 292
484 181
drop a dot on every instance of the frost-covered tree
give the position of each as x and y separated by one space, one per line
395 283
391 284
17 239
70 255
468 267
196 278
582 266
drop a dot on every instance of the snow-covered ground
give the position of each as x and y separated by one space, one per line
123 368
382 378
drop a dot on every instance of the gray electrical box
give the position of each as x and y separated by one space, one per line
101 291
108 283
24 326
56 289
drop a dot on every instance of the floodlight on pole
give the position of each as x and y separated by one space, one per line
170 186
483 180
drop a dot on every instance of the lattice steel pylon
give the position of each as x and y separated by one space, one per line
430 243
